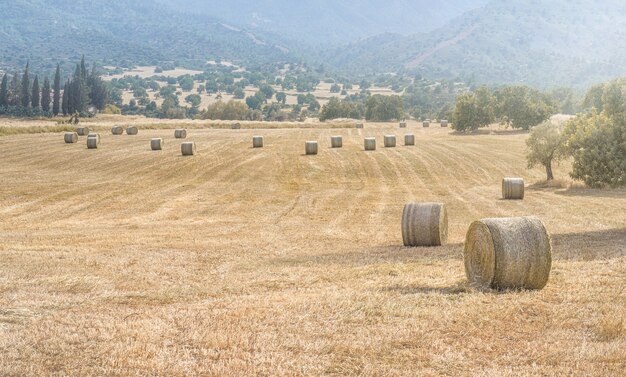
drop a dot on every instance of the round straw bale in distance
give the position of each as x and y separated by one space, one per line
424 224
513 188
92 143
117 130
82 131
188 148
369 143
426 123
409 139
257 141
402 124
132 131
336 141
508 253
180 133
310 147
93 134
156 144
70 137
444 123
390 141
235 126
359 125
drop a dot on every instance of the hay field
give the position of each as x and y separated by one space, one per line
240 261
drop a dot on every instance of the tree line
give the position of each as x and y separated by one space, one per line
21 95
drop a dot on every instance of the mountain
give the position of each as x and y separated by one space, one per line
122 32
323 22
542 43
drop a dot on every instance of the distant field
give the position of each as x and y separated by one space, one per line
240 261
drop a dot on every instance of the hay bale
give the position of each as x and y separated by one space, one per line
132 131
82 131
370 143
513 188
71 137
444 123
92 143
402 124
310 147
188 148
257 142
94 135
359 125
424 224
235 126
336 141
426 124
390 141
156 144
508 253
117 130
409 139
180 133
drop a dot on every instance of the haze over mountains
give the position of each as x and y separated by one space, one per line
541 43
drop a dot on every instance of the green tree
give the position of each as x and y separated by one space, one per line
613 99
545 145
281 97
379 108
35 96
335 88
523 107
256 101
239 93
4 90
194 100
14 90
466 113
56 101
45 95
267 90
25 92
66 98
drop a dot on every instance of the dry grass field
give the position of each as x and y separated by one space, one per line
238 261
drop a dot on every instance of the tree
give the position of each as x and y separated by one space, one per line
66 99
335 88
35 96
256 101
4 91
25 93
239 93
56 101
473 110
379 108
45 95
523 107
546 144
14 90
281 97
194 100
186 83
267 90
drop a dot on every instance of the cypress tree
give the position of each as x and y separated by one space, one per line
83 68
65 103
34 98
25 94
14 90
57 91
45 95
4 91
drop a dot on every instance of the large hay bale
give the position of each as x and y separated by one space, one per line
94 135
508 253
409 139
257 142
444 123
424 224
156 144
426 123
359 125
390 141
70 137
336 141
180 133
370 143
188 148
402 124
82 131
117 130
513 188
310 147
235 126
92 143
132 130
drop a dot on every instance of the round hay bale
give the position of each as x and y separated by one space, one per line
235 126
188 148
359 125
336 141
180 133
444 123
92 143
426 124
508 253
424 224
402 124
370 143
156 144
70 137
409 139
390 141
257 142
132 131
94 136
82 131
117 130
513 188
310 147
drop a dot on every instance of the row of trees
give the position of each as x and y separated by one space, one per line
21 96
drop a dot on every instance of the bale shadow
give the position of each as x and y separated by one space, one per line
595 245
414 289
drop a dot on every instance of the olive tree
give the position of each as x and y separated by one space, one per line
546 145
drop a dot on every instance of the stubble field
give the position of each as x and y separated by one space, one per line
240 261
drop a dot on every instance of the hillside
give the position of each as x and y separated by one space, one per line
120 32
323 22
534 42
